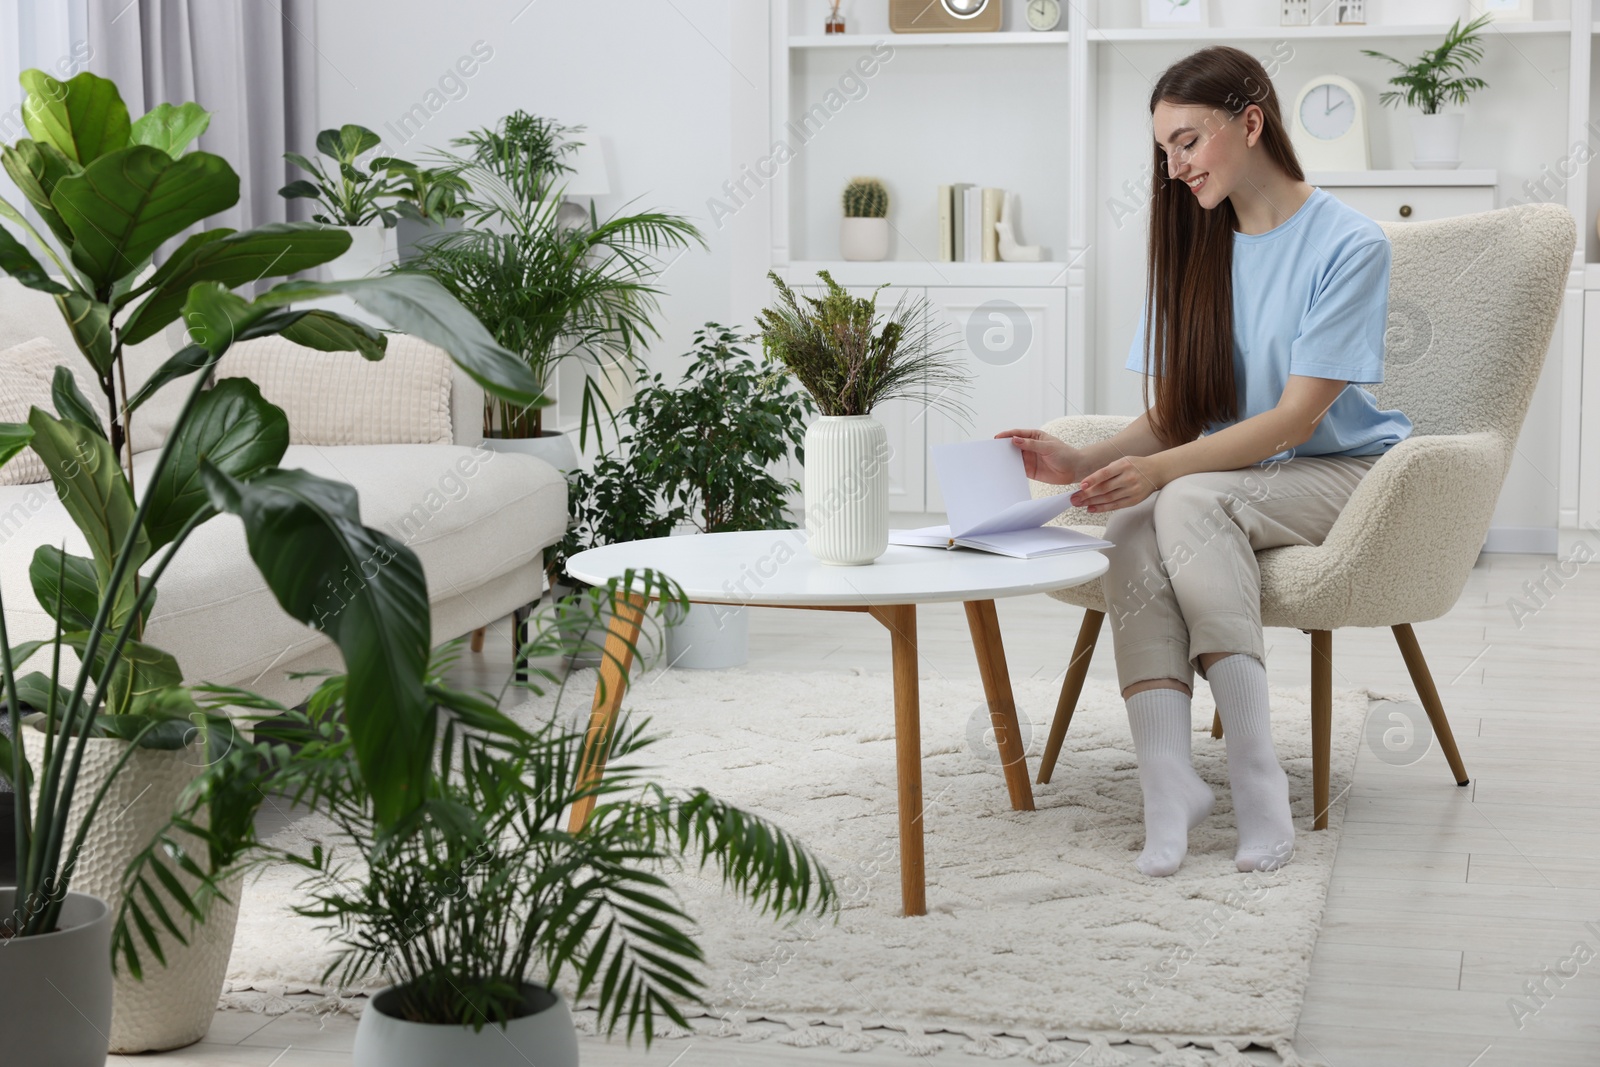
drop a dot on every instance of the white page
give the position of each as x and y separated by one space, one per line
1040 541
1025 515
980 480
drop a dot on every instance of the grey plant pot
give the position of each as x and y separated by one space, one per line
710 636
412 234
546 1038
552 446
41 1025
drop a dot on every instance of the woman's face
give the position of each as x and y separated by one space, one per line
1205 148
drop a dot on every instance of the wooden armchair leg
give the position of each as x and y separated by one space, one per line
1422 678
477 638
1071 689
1321 724
1216 723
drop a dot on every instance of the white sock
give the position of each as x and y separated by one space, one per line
1260 788
1175 798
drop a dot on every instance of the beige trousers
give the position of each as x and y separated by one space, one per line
1183 578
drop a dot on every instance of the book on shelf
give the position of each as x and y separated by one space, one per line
986 496
974 219
967 215
958 224
992 199
947 247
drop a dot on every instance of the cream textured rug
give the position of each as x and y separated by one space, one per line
1038 930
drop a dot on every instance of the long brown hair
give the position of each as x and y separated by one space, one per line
1189 301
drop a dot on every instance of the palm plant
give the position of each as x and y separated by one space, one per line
112 191
550 292
483 889
526 152
835 348
1428 83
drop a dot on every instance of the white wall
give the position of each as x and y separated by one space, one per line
653 80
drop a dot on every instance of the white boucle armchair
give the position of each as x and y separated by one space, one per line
1472 307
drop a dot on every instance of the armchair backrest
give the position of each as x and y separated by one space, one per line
1472 307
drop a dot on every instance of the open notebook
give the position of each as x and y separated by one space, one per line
986 496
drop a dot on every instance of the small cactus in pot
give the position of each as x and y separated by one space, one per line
864 231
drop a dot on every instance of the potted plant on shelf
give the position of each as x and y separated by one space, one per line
478 906
697 458
547 291
119 722
349 198
1438 75
864 230
427 201
833 345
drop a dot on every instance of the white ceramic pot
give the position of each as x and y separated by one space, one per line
545 1037
847 489
364 257
708 637
1437 141
40 1025
551 446
863 239
173 1005
1405 12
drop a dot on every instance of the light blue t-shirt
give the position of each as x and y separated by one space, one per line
1311 297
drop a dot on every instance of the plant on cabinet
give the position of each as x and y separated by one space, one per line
864 230
834 347
427 201
1436 77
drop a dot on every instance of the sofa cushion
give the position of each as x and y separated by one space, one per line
27 313
339 398
470 514
26 373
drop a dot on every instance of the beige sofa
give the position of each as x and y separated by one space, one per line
479 521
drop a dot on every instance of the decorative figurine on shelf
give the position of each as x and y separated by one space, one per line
864 231
1351 13
1295 13
1010 251
835 23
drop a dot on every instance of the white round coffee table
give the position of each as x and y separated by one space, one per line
772 568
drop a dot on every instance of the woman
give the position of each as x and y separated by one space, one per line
1265 311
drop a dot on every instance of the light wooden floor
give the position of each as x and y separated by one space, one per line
1444 901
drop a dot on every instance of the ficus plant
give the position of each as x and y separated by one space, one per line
110 192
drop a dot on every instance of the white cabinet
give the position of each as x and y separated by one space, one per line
1411 196
1011 341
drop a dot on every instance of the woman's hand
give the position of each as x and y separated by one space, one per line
1046 458
1121 483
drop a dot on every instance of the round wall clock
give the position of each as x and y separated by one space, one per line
1044 15
1328 125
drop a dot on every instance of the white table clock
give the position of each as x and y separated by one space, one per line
1328 125
1044 15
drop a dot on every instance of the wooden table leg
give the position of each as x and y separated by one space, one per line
621 638
901 621
985 627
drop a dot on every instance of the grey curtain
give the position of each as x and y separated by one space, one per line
249 62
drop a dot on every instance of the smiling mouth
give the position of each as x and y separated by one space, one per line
1194 184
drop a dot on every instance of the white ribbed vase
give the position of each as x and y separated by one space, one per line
847 489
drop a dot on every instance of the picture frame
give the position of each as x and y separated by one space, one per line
1186 13
1502 10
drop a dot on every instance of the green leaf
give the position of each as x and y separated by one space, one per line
70 402
180 255
232 259
89 321
213 316
14 437
18 262
141 670
79 587
84 117
417 304
183 362
367 591
35 168
326 331
125 204
33 689
300 189
347 142
170 128
92 487
231 427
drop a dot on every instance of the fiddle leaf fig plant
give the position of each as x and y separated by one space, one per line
111 192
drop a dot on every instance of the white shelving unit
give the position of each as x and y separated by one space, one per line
1058 78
